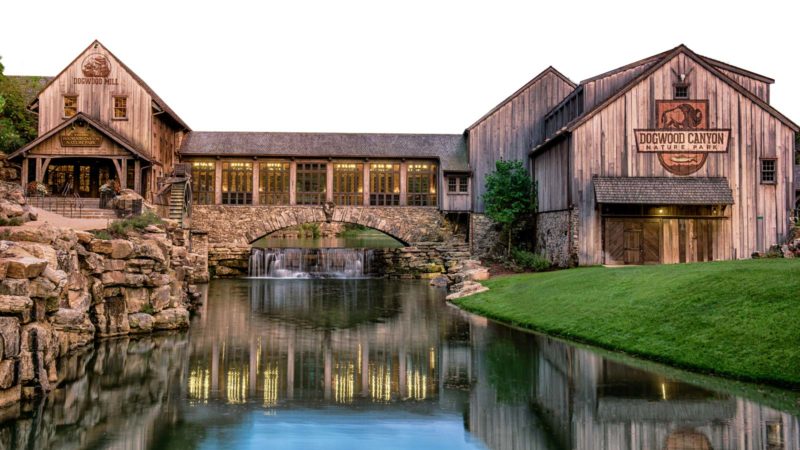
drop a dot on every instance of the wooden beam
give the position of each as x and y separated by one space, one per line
38 162
45 164
293 183
256 180
218 182
24 175
118 167
123 178
366 183
137 176
403 183
329 182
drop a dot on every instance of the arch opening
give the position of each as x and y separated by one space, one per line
328 235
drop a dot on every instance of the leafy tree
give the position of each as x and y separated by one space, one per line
510 196
17 124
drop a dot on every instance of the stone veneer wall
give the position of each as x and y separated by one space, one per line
424 260
557 237
60 289
485 237
244 224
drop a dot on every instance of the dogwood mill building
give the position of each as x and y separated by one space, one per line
674 158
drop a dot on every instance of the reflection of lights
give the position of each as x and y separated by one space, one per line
271 377
199 384
432 358
343 383
380 383
236 385
417 385
663 391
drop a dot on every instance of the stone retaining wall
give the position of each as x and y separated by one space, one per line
60 289
485 237
245 224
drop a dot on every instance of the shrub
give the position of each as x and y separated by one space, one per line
531 261
13 222
140 222
103 234
310 230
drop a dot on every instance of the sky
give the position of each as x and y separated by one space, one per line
385 66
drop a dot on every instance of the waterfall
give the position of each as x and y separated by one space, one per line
311 262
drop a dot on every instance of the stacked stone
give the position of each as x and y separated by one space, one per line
13 205
60 289
228 260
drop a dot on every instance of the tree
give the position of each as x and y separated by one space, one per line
510 196
17 123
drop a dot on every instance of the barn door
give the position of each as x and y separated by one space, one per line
651 245
632 240
613 240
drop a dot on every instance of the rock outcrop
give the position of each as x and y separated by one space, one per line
14 209
60 289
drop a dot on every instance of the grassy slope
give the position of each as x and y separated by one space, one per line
735 318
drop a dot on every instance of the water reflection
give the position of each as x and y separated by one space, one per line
375 364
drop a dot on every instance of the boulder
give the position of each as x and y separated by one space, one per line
479 274
149 249
121 249
25 267
466 289
8 368
160 298
41 287
14 286
439 281
171 319
9 331
84 237
16 304
141 322
44 234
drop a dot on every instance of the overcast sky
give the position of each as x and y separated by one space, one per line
385 66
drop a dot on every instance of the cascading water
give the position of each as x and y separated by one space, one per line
311 262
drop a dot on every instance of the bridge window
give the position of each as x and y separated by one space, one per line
237 183
312 179
203 182
348 183
384 182
273 183
422 184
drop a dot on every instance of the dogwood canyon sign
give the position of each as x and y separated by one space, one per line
96 68
682 139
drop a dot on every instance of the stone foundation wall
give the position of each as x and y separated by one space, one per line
228 260
486 239
557 237
60 289
245 224
424 260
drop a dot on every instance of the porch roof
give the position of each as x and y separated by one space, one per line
663 190
111 134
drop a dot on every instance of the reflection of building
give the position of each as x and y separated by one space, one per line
357 344
579 400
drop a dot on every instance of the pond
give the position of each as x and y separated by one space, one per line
379 364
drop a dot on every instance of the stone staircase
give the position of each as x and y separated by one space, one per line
176 201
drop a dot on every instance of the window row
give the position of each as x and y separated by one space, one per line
119 106
312 184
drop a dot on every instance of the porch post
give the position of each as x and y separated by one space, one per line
403 183
123 178
366 183
45 165
24 175
137 176
256 176
118 167
293 183
218 182
329 182
39 175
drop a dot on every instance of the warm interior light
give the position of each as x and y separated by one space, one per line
397 190
433 189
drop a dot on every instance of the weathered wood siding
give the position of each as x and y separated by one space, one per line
604 145
599 89
551 174
96 100
512 129
757 87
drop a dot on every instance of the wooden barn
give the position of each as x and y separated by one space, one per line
674 158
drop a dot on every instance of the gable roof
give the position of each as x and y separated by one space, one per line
548 70
113 135
449 149
663 58
155 97
725 66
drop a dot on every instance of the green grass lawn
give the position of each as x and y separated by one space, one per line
735 318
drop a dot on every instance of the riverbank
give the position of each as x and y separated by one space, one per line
738 319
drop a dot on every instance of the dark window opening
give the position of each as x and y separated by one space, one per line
681 91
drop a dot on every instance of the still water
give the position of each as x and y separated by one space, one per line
376 364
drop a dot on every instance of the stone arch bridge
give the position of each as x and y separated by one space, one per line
242 225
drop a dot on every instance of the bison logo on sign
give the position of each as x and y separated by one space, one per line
682 139
96 66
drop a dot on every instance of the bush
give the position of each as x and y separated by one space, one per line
14 221
530 261
122 227
103 234
310 230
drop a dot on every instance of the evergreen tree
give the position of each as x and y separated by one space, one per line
510 196
17 123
